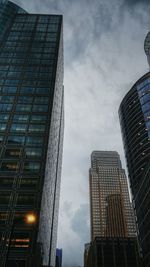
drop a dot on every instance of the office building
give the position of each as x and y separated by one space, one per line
134 115
31 134
86 253
111 209
113 252
58 257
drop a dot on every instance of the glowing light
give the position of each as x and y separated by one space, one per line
30 218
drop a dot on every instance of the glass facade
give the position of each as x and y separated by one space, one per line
114 252
111 209
134 115
31 132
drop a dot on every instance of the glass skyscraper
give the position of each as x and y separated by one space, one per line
113 229
31 134
134 115
111 209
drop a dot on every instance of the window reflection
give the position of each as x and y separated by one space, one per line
4 117
38 118
36 128
3 127
31 166
9 166
18 127
14 153
24 108
34 141
33 152
5 107
23 118
40 108
16 140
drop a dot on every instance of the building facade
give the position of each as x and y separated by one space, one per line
111 209
134 113
114 252
58 258
31 134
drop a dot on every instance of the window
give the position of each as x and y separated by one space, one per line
41 100
7 99
16 140
34 128
25 99
38 118
4 117
21 118
27 90
34 141
12 82
18 128
3 127
12 153
11 90
24 108
5 107
43 90
4 198
20 240
145 107
9 166
31 166
29 183
6 182
25 199
3 217
40 108
1 138
33 152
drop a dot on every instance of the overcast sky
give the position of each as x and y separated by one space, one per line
104 56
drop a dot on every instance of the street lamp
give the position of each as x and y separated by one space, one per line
29 219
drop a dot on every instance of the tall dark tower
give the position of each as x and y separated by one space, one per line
134 113
31 134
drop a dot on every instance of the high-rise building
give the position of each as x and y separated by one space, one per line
111 209
86 254
58 258
113 229
134 115
113 252
31 134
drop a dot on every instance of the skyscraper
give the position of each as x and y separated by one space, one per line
134 113
31 134
111 210
113 230
113 252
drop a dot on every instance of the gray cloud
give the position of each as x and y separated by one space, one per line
79 222
135 2
104 56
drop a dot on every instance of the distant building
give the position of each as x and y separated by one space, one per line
134 113
111 209
58 258
113 230
86 253
113 252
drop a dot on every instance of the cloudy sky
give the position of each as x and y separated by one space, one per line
103 51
